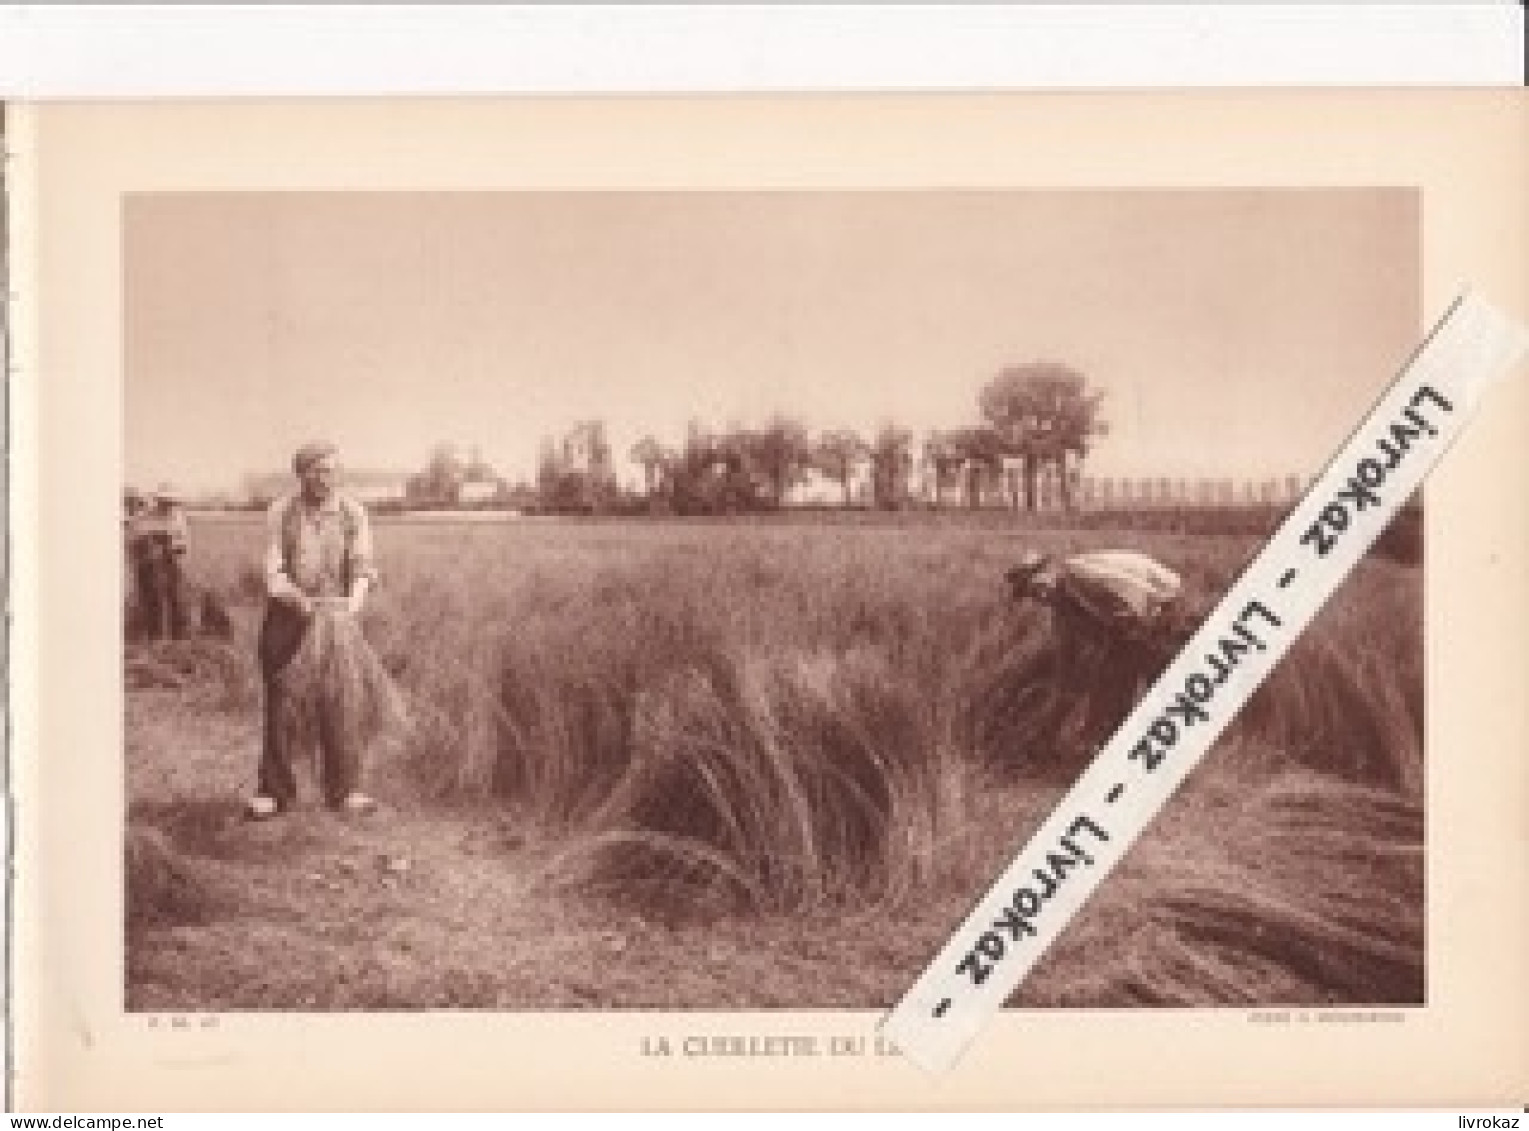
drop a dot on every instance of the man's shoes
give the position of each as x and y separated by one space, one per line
261 808
357 804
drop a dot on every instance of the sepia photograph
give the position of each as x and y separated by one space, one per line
597 589
557 600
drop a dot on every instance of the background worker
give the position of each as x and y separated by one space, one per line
1117 618
156 542
172 540
142 584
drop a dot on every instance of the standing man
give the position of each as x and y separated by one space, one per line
156 537
143 585
1117 620
318 551
170 540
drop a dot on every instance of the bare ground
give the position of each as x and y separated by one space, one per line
422 906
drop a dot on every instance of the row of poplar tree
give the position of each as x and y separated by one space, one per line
1039 418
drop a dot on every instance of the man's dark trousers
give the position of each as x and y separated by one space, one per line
281 634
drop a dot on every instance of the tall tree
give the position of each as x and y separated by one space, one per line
587 463
781 453
943 453
550 476
1043 411
650 454
443 476
695 473
479 470
981 452
891 463
838 454
736 481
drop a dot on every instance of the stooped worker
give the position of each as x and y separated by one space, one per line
318 556
1117 619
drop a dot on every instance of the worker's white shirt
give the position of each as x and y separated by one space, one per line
1133 580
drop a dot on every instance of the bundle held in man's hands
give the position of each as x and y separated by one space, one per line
336 680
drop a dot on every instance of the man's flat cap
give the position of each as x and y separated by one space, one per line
310 453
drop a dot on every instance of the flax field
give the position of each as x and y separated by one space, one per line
706 764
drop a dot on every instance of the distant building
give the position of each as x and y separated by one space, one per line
818 489
375 486
479 491
369 486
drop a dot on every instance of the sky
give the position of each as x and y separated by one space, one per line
1233 332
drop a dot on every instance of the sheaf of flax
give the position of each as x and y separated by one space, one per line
336 681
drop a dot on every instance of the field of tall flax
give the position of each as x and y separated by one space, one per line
784 717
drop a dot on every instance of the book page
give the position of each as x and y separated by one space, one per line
706 767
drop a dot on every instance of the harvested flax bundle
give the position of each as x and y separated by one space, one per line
162 885
335 684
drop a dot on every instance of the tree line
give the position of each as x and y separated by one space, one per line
1033 420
